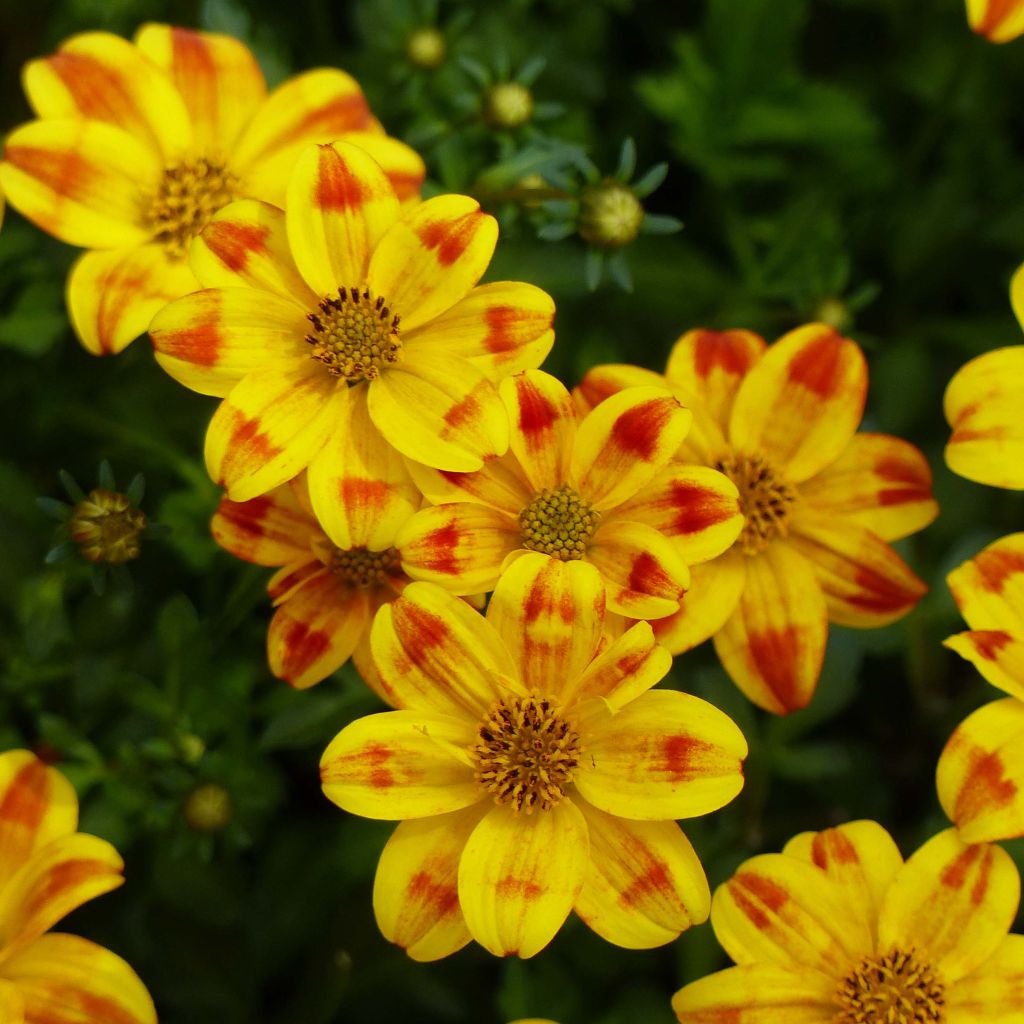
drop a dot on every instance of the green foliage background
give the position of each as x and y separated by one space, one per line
859 159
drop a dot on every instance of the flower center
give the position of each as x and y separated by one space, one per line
354 335
106 527
187 197
360 567
559 523
527 753
897 988
765 500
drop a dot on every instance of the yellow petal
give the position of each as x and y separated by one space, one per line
12 1006
500 485
273 529
543 421
989 588
520 875
999 21
997 655
629 666
994 992
401 164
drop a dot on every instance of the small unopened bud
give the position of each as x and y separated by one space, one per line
426 48
833 311
508 105
106 527
207 808
610 215
191 748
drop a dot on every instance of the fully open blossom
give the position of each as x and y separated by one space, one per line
47 869
600 490
534 770
820 501
138 144
837 929
999 21
347 299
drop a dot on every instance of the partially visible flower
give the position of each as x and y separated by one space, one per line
820 502
837 929
598 490
137 145
999 21
47 869
346 299
533 769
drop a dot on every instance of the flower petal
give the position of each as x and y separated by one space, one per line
645 884
980 777
801 404
629 666
270 427
998 20
955 900
446 415
82 181
664 755
994 992
501 328
520 875
624 442
997 655
416 888
499 485
989 588
339 204
401 164
880 482
864 581
432 257
273 529
12 1006
774 642
435 653
67 980
216 75
400 764
543 421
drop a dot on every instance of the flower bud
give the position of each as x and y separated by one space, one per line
610 215
207 808
508 105
106 527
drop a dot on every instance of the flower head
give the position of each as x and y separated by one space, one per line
999 21
820 502
107 527
837 929
137 145
47 869
533 769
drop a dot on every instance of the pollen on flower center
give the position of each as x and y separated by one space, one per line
898 988
360 567
189 194
559 523
526 754
765 500
107 527
354 335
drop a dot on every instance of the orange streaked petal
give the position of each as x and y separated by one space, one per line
460 547
997 655
113 295
994 992
500 485
989 588
445 414
626 668
290 577
955 900
501 328
339 204
645 884
601 382
663 755
273 529
520 875
216 75
549 614
431 258
362 659
67 980
401 164
801 404
543 421
864 581
416 888
81 181
980 777
774 642
999 21
880 482
401 764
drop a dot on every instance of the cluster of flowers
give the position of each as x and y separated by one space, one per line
386 440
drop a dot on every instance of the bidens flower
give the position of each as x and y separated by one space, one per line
344 299
138 145
999 21
837 929
47 869
533 772
820 502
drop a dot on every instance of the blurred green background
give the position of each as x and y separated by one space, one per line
853 160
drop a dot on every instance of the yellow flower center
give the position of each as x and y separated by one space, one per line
354 335
360 567
558 522
897 988
527 753
765 500
610 215
188 196
106 527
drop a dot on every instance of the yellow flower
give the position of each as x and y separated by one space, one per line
533 769
597 488
999 21
837 929
982 404
47 869
138 144
820 501
342 305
